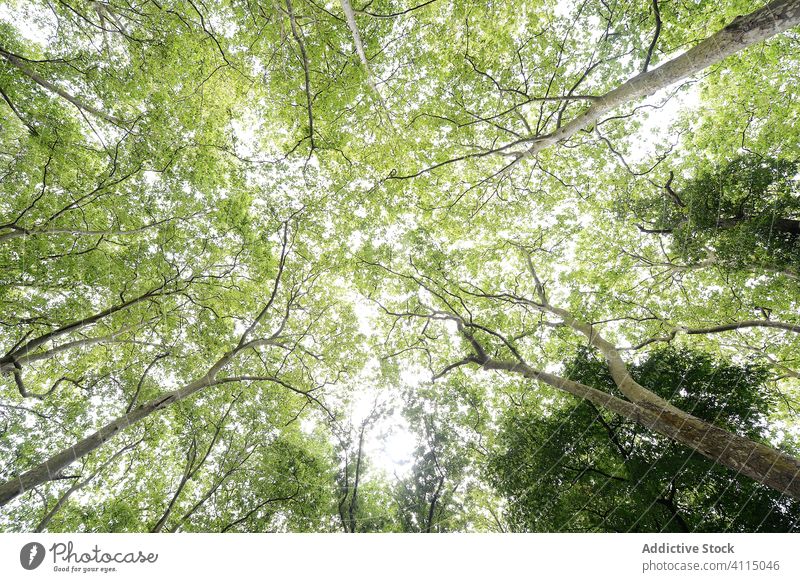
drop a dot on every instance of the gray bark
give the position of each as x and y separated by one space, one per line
772 19
50 468
766 465
39 80
362 55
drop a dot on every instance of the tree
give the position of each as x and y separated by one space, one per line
282 336
427 497
600 472
502 349
356 496
744 215
218 220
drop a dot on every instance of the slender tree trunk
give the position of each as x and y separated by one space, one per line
755 460
80 485
362 55
343 498
744 31
18 354
82 105
432 508
50 468
207 495
743 324
306 74
12 234
354 497
187 474
760 462
253 511
192 467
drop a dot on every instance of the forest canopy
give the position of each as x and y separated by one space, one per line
399 265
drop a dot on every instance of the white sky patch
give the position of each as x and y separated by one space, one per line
393 452
355 240
33 22
389 442
656 124
245 136
414 376
151 178
308 424
563 8
366 313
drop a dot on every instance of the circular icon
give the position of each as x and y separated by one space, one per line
31 555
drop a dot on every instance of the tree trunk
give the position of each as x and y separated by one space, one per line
432 508
80 485
787 225
760 462
744 31
82 105
50 468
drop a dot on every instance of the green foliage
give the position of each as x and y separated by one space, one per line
745 213
223 195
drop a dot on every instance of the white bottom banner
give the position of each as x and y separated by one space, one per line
352 558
